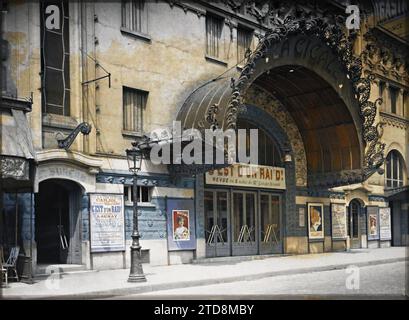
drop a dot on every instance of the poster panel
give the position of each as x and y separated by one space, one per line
181 224
385 231
339 221
180 227
373 222
315 220
107 225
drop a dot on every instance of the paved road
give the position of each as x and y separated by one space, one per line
386 280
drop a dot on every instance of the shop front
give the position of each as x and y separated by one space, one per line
242 218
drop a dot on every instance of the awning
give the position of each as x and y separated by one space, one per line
16 145
207 106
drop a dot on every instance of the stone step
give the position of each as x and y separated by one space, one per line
44 270
236 259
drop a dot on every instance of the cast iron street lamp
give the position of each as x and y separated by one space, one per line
134 157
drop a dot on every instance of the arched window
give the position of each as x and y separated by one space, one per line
268 153
394 170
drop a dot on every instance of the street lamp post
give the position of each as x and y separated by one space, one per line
134 157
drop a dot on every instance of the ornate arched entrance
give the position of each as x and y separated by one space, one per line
303 75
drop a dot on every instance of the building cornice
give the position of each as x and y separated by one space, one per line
394 120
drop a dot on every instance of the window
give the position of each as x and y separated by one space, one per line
55 57
134 16
268 154
144 194
394 99
134 104
382 93
214 26
394 170
244 39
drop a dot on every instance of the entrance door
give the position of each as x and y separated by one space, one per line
244 223
353 230
56 222
270 235
216 205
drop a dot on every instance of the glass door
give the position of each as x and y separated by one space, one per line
216 205
244 235
270 224
354 233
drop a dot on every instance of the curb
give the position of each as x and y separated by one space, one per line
111 293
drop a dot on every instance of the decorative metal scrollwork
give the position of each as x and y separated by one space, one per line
287 19
84 128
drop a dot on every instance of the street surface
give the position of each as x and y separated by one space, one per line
385 280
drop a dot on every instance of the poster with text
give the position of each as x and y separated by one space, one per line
373 223
385 231
180 219
339 221
315 220
107 225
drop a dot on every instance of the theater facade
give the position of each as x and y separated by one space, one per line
330 103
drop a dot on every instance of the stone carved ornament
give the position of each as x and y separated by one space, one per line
261 98
384 56
292 18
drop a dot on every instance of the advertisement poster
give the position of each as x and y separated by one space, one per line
315 220
385 224
339 221
107 224
180 227
373 223
248 175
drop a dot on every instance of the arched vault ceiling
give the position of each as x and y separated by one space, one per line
325 124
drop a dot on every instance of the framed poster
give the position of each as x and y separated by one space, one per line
181 224
373 222
339 221
385 232
315 220
107 222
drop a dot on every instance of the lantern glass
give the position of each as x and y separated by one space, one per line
134 157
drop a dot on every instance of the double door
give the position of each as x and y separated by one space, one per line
242 223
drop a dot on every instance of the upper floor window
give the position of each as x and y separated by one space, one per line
394 170
134 104
135 15
55 57
214 27
394 92
244 40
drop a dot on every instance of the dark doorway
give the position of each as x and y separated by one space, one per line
354 224
56 221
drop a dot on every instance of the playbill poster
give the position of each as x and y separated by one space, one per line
316 220
180 227
373 223
385 223
107 222
339 221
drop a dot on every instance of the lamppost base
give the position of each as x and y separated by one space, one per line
136 278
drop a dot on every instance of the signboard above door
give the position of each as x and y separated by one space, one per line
248 175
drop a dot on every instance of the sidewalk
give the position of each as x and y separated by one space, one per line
114 282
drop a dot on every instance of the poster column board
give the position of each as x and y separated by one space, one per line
338 221
107 222
372 213
315 221
181 224
385 231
